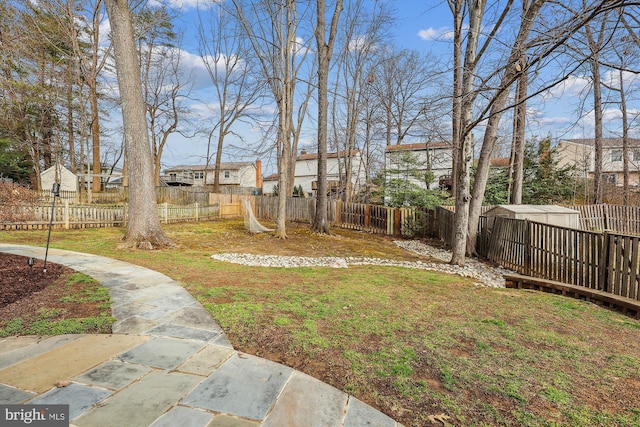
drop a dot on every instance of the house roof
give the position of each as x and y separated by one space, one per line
272 177
418 146
606 142
313 156
223 166
500 162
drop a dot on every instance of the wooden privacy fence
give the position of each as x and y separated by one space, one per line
620 219
606 262
355 216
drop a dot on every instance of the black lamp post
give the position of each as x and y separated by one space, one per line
56 192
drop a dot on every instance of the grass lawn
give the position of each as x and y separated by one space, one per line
420 346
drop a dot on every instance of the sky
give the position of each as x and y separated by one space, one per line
420 25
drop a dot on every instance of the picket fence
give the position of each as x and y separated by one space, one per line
69 216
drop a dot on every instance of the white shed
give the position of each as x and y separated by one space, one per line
58 173
548 214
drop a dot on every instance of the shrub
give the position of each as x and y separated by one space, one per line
17 201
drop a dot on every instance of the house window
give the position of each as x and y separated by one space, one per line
610 178
227 174
616 155
198 175
636 155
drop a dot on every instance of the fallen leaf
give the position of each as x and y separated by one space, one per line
61 384
442 418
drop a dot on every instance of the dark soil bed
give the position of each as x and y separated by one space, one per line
30 293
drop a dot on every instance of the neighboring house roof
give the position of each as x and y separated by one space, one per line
272 177
314 156
223 166
606 142
500 162
419 146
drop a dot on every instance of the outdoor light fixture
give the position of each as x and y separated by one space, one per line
30 262
56 192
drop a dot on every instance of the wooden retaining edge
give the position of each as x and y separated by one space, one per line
626 305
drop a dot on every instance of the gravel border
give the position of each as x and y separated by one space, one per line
484 274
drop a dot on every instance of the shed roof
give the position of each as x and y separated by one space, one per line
533 209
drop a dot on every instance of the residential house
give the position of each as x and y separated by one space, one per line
232 174
57 173
306 172
269 183
410 162
581 154
111 177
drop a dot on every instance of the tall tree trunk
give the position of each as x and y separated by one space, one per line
95 137
71 128
519 121
218 162
465 151
143 226
625 142
513 69
456 9
597 113
325 50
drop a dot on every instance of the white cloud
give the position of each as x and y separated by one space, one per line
184 4
430 34
573 86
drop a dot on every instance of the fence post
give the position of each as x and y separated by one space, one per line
166 212
605 255
527 247
367 216
197 211
397 222
66 214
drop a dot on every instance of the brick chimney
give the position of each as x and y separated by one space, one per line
259 173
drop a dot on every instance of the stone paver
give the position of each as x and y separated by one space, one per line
13 396
361 414
306 398
207 360
251 398
113 374
16 349
168 363
41 372
141 403
160 352
183 416
79 398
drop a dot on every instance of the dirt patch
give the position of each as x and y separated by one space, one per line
27 293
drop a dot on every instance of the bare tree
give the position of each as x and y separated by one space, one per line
229 60
271 28
401 84
595 43
164 84
143 226
496 84
361 37
464 136
325 43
